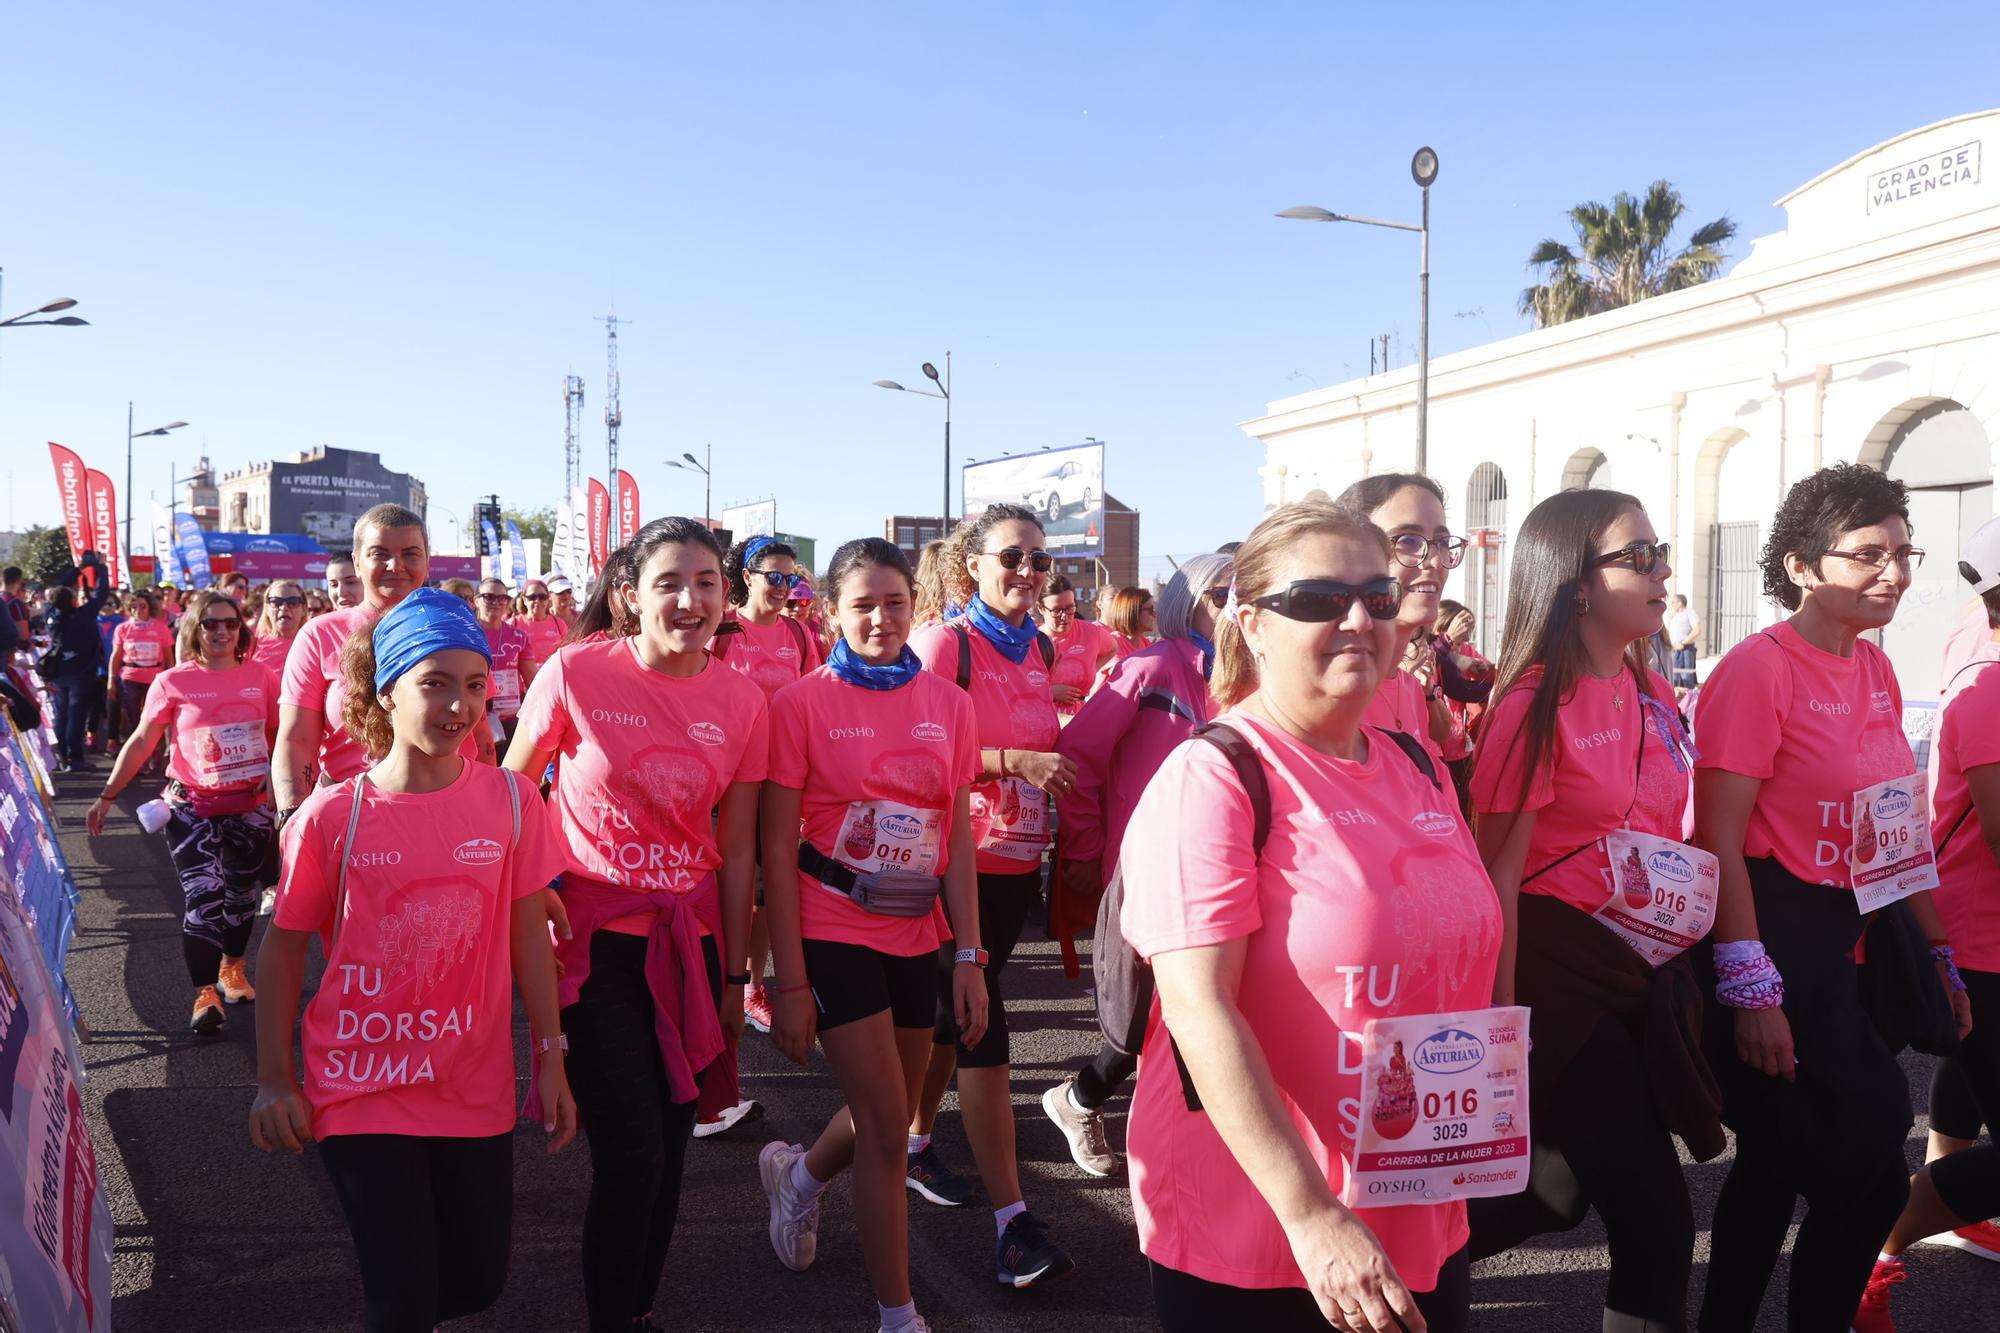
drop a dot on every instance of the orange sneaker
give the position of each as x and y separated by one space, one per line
207 1011
1873 1314
1981 1238
234 982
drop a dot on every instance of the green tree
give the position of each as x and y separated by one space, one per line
1621 257
533 523
43 553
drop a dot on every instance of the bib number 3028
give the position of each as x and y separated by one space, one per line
1444 1108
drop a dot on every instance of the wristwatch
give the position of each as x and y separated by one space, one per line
737 979
976 957
278 821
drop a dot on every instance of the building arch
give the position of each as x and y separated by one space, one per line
1485 567
1586 468
1720 575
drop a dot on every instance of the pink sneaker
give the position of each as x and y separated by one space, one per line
757 1008
1981 1238
1873 1314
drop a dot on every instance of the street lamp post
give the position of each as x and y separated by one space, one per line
131 435
944 392
686 463
1424 171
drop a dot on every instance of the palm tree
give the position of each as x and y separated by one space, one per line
1624 257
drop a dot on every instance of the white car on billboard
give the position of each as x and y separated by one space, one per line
1064 488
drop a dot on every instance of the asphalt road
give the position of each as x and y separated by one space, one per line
212 1234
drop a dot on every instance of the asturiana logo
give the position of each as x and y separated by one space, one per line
1434 823
478 852
1449 1051
705 733
927 731
1879 701
1671 865
903 828
1892 804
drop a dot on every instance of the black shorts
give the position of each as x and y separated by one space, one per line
1005 903
851 982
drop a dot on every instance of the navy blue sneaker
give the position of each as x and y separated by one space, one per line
937 1182
1027 1255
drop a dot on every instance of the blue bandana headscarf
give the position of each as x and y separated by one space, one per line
1207 647
429 620
848 666
1013 641
752 549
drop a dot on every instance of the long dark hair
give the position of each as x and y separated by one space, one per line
1552 558
1369 494
602 612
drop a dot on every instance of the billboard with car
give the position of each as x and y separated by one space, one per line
1065 488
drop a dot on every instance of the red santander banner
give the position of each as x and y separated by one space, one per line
628 507
72 490
104 520
600 514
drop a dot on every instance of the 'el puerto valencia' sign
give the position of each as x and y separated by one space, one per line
1890 186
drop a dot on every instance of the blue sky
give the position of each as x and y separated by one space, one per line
390 226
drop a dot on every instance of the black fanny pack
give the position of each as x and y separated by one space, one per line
883 892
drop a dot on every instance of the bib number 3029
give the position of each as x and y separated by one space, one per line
1444 1108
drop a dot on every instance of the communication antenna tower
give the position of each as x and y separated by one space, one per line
612 418
572 435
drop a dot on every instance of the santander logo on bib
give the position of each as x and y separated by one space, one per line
478 852
927 731
706 733
1434 823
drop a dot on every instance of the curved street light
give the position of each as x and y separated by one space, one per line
131 435
943 391
687 462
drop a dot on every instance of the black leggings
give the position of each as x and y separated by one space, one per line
1004 904
222 862
1834 1136
1969 1181
638 1137
1189 1304
1602 1144
430 1218
1098 1081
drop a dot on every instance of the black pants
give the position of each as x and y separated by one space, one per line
222 862
1603 1145
1005 901
1099 1081
1189 1304
638 1137
431 1219
71 697
1969 1181
1834 1136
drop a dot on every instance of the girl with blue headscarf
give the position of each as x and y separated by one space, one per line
423 876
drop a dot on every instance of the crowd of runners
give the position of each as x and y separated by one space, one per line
1331 858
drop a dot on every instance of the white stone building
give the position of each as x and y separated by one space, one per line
1868 330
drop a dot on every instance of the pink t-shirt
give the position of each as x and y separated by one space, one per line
1815 728
411 1031
1399 705
544 636
1010 816
149 648
1369 901
1968 737
223 725
878 772
505 688
269 651
642 760
1077 655
1596 776
312 680
768 655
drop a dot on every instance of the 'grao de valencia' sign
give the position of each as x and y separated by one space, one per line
1890 186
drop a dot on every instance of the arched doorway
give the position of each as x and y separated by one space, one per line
1485 559
1939 449
1732 505
1587 468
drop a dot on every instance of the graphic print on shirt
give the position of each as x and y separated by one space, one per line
885 834
662 778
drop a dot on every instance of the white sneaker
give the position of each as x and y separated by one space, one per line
794 1221
1088 1146
729 1118
919 1327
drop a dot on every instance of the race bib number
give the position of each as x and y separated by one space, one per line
1017 812
505 688
142 652
1891 857
230 754
882 835
1444 1108
1662 894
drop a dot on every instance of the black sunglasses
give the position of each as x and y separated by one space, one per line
534 597
777 578
1317 601
1219 597
495 598
1644 557
1010 557
232 624
284 601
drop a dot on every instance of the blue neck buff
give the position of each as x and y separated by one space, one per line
953 608
849 666
1013 641
428 621
1207 647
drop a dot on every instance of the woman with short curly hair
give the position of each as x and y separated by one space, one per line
1796 794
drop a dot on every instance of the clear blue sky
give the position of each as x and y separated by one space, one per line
389 226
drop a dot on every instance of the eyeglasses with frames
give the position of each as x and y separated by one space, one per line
1410 548
284 601
1316 601
1644 557
777 578
229 626
1219 597
1878 557
534 597
1010 557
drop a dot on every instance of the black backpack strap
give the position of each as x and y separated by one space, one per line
964 655
718 647
1166 702
1048 649
1418 755
799 639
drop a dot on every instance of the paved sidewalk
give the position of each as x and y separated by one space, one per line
212 1233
